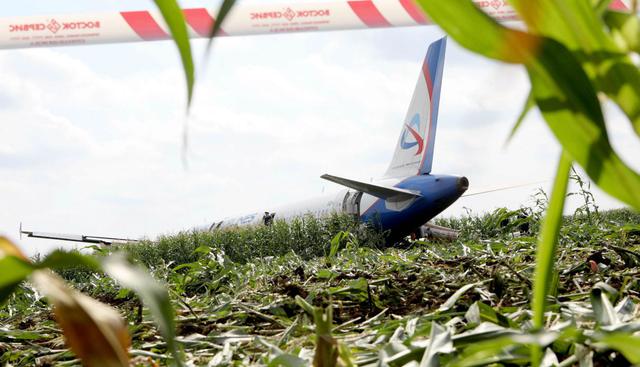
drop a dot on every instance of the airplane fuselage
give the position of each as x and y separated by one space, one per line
396 218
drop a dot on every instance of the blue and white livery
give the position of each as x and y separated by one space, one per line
408 194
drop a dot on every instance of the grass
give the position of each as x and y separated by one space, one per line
244 297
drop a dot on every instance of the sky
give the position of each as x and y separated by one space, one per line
92 135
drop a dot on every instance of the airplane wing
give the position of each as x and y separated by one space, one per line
382 192
75 238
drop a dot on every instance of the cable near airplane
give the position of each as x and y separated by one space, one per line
401 201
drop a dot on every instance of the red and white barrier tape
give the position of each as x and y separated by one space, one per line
244 19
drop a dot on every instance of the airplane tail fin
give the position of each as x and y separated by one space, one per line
414 151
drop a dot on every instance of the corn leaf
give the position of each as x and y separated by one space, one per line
548 240
603 59
14 271
287 360
529 103
336 242
480 33
222 13
560 87
571 22
625 29
451 301
154 296
626 344
603 310
499 350
60 259
326 351
546 249
480 312
576 26
572 111
174 18
14 268
439 342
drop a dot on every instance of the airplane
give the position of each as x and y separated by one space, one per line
408 194
399 203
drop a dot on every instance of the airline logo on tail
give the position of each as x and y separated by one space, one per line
412 128
414 149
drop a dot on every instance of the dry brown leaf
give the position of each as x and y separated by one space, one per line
95 332
7 248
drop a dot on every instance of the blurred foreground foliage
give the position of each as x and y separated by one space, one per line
346 301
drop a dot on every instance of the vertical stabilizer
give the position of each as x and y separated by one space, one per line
414 151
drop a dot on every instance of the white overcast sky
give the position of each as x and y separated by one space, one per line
91 135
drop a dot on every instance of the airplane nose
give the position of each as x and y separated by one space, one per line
463 184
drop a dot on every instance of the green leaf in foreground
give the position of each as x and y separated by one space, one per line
508 348
222 13
528 105
174 18
547 243
439 343
454 297
571 109
480 312
581 30
498 350
13 271
603 310
326 352
154 296
60 259
287 360
625 29
628 345
336 242
19 335
479 32
14 268
561 90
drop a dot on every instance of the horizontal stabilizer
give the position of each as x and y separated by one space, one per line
382 192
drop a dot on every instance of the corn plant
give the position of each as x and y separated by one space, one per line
571 50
